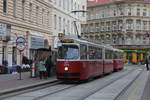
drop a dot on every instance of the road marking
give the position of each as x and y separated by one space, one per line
132 93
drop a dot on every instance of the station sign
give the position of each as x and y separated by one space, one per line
20 43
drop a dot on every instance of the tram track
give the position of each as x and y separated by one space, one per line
64 88
86 96
56 88
36 88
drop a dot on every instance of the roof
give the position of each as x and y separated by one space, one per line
118 1
92 2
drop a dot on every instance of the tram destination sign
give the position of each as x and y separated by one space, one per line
20 43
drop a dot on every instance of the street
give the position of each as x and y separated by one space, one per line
109 87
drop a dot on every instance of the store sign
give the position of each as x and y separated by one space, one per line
37 42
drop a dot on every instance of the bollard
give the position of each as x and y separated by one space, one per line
33 70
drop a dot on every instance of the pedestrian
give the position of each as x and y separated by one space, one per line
41 68
146 64
24 60
48 65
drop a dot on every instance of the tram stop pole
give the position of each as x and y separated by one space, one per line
20 67
20 44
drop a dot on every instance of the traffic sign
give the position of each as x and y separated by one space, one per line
20 43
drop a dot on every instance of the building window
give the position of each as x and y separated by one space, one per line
97 26
59 23
144 12
60 3
43 16
68 5
30 11
64 4
138 25
68 26
114 12
4 6
71 4
149 25
129 11
129 24
144 25
138 12
64 25
83 8
37 14
14 7
23 9
55 21
103 14
48 18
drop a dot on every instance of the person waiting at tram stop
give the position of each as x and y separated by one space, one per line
41 69
48 65
147 64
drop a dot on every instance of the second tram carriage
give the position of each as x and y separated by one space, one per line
81 60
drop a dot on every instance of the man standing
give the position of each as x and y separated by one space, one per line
48 65
146 63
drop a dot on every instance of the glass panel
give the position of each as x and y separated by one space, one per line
108 54
83 51
68 52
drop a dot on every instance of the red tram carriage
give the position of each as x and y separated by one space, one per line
118 59
81 60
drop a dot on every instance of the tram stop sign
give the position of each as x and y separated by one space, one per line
20 43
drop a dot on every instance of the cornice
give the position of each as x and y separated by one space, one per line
46 2
31 27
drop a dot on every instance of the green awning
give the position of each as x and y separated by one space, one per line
138 51
130 50
143 51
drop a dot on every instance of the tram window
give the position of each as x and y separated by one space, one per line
68 52
83 51
115 56
121 55
99 53
92 52
108 54
95 53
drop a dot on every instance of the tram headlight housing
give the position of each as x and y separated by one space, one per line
66 68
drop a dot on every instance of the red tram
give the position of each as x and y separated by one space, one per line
81 60
118 59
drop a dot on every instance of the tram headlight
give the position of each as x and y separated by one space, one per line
66 68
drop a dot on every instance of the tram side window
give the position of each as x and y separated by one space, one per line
108 54
83 51
99 53
115 55
121 55
92 52
95 53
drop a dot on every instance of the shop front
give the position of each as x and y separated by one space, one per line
135 56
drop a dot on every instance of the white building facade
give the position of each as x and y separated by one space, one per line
63 16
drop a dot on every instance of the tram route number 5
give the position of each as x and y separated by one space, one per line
20 44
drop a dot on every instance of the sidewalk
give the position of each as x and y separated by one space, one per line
10 82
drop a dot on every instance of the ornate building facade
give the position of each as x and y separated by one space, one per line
65 13
30 19
122 24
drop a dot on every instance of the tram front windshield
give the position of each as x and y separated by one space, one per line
68 52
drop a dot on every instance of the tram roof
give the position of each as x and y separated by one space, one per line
117 50
84 40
